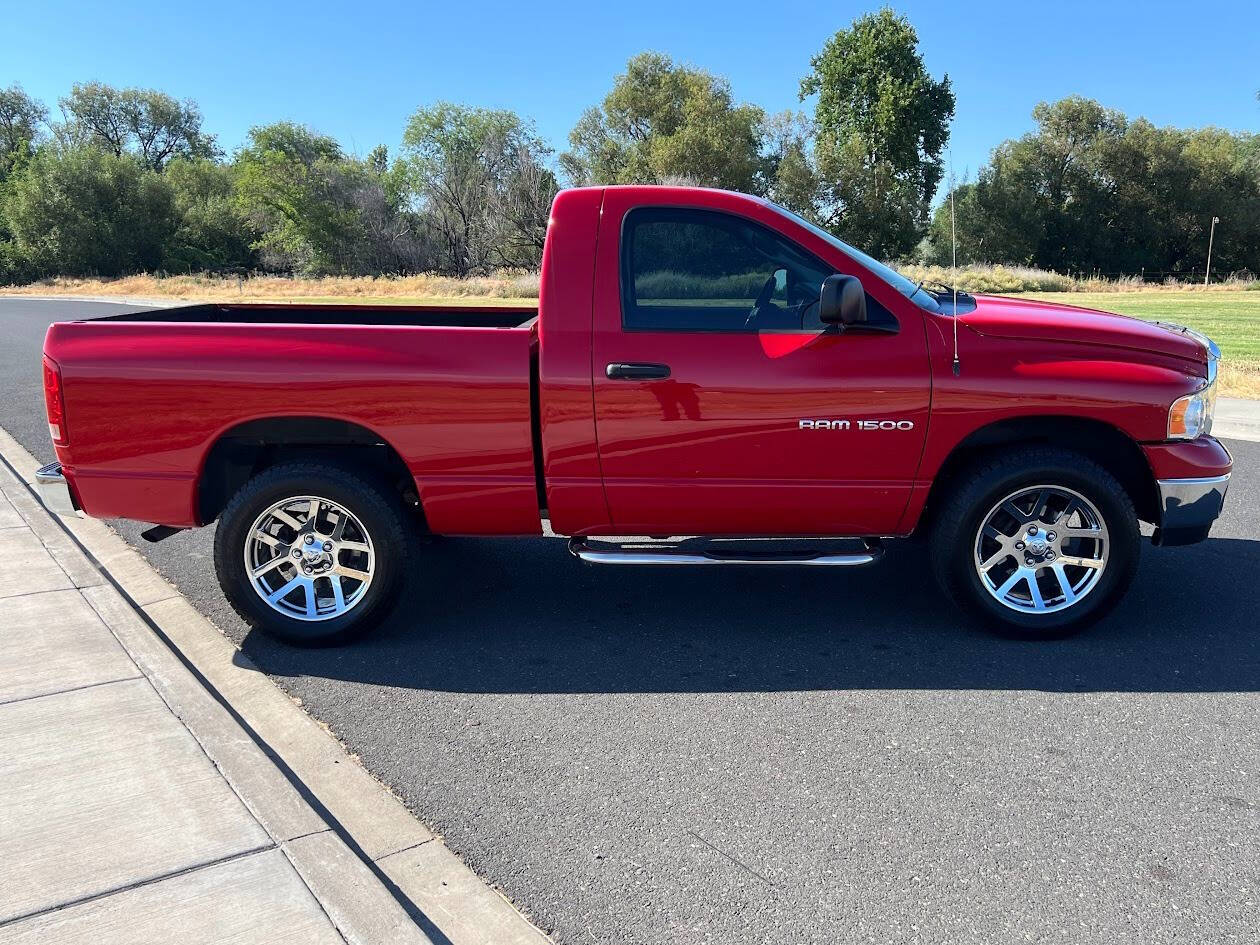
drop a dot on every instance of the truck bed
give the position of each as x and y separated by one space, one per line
149 394
285 313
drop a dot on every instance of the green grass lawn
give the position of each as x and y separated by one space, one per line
1231 319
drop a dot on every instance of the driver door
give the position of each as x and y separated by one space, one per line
708 354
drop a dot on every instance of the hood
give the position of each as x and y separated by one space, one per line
1004 317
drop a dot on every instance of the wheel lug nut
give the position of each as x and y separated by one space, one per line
328 546
1028 559
1032 529
1051 536
1049 555
297 552
310 539
1019 546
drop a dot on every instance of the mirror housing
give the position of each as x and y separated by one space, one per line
842 300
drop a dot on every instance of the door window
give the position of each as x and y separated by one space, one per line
701 270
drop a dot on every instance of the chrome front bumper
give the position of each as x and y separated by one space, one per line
54 491
1188 508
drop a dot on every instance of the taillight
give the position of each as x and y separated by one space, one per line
54 402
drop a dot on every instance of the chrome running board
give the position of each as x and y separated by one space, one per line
615 554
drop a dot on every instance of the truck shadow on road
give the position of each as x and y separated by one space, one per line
522 616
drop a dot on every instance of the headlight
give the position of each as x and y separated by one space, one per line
1191 416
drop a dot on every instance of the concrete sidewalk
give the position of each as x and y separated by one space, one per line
1237 419
156 787
115 825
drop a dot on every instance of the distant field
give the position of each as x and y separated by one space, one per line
1231 319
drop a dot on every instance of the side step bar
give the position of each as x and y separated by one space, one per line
580 548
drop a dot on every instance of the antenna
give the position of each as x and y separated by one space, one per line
953 273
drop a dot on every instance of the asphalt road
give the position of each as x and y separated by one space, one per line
732 757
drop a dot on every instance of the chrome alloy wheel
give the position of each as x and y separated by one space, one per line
1041 549
309 558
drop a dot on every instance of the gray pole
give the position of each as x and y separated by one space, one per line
1211 233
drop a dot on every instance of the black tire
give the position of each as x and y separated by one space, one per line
977 490
378 508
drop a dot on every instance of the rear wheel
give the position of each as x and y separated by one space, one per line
311 553
1038 543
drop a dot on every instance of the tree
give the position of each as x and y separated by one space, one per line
20 120
1089 190
150 124
212 232
87 212
319 211
287 183
662 121
791 177
882 123
480 176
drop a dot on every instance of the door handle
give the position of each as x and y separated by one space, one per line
636 371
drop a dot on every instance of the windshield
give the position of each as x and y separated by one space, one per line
895 279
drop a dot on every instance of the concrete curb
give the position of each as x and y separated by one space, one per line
367 859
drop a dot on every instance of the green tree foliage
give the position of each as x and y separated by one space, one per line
663 122
881 123
791 179
85 211
287 188
212 232
20 119
481 180
1090 190
150 124
318 211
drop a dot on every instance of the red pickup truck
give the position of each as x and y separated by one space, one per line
700 363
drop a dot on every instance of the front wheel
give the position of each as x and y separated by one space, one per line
311 553
1038 543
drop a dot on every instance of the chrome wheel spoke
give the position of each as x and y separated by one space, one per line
271 541
1034 590
314 554
1079 562
1014 512
357 575
284 589
281 515
995 560
268 565
1009 584
1065 586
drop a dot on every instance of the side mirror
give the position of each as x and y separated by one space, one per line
842 301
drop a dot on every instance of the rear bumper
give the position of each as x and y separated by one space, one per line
1188 507
54 490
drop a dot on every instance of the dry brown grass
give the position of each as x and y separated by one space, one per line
524 285
508 286
1240 379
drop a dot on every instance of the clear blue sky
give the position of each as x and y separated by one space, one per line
356 71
